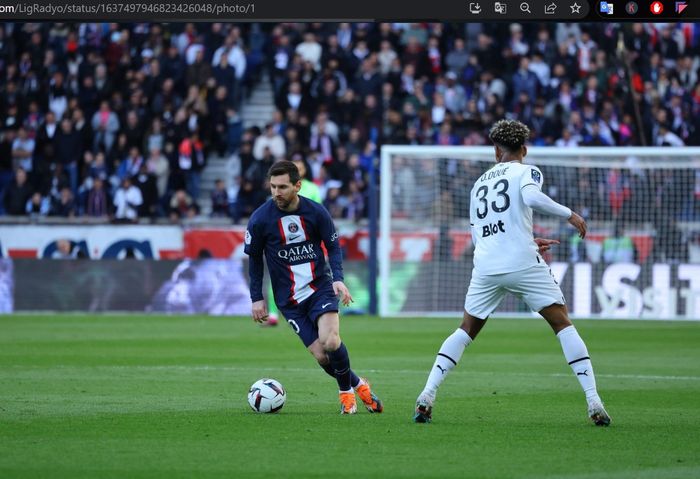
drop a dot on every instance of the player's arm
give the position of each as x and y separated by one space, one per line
530 189
254 249
330 239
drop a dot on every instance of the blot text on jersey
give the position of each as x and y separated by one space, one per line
493 228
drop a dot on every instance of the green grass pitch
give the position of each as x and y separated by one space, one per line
153 396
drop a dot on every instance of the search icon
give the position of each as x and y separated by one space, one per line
525 7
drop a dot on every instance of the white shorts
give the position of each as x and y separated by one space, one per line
536 286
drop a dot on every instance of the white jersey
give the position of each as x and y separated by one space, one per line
501 223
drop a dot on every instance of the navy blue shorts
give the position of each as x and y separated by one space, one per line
303 317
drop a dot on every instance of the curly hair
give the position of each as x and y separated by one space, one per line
509 134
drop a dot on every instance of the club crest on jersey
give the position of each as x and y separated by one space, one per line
293 227
536 176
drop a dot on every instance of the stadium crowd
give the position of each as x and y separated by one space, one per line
118 120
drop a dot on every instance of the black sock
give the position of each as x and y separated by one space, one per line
354 378
340 362
328 368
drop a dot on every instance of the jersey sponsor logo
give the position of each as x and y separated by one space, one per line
536 175
248 238
298 253
334 236
493 228
293 228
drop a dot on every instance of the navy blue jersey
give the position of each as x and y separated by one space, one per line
291 242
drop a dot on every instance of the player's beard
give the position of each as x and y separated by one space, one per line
282 203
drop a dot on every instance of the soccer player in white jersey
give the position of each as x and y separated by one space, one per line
500 213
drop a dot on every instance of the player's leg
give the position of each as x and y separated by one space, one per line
576 354
538 288
323 305
307 331
329 323
483 296
329 338
321 357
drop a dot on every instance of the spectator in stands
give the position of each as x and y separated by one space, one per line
335 203
191 161
219 199
146 182
618 248
127 200
23 151
38 206
309 189
199 71
7 137
666 137
64 204
97 203
130 165
105 125
270 140
45 145
182 206
69 149
249 199
310 50
157 164
17 194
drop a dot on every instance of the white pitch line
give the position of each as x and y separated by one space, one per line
644 377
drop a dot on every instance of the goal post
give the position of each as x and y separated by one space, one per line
639 260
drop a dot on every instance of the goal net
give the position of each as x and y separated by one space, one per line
640 258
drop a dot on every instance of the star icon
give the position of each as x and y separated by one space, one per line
575 8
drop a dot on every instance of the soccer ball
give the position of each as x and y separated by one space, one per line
266 395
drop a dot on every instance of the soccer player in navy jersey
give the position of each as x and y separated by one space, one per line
289 229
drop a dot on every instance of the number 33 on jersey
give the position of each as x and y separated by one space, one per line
501 223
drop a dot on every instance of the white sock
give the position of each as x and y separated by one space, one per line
448 357
576 355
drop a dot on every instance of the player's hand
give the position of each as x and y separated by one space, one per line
579 223
260 311
341 290
544 243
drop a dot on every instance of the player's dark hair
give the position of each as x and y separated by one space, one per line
284 167
509 135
